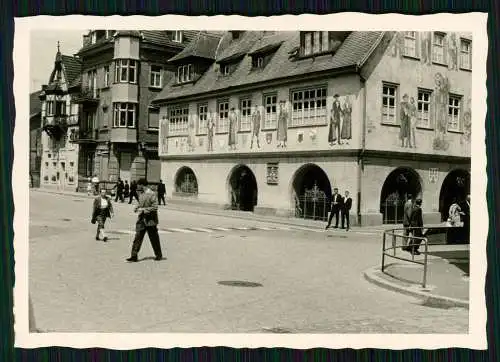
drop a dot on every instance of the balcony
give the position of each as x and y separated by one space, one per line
88 95
55 126
84 136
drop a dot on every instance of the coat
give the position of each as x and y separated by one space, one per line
97 207
149 217
347 204
417 220
407 213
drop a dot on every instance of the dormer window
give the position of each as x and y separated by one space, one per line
314 42
225 69
177 36
98 35
184 73
258 61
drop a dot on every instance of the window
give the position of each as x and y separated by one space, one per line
223 119
410 44
246 114
154 118
308 107
178 120
202 118
60 108
50 108
177 36
225 69
106 75
124 115
315 42
184 73
423 108
465 54
389 93
125 71
270 102
454 113
155 78
258 61
438 48
92 82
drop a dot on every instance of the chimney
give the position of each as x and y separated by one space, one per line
235 34
86 40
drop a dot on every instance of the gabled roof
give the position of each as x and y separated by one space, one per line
203 45
164 38
72 68
35 104
352 52
242 45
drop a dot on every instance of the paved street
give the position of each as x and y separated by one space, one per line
308 280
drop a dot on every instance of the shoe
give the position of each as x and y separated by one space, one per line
158 258
326 227
416 252
132 259
105 239
97 238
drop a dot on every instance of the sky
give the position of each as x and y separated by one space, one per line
43 48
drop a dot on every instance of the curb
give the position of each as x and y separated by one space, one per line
207 211
439 300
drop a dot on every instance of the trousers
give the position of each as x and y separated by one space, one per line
154 238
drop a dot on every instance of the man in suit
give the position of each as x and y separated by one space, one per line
466 219
161 193
335 208
346 208
102 209
416 222
407 210
147 221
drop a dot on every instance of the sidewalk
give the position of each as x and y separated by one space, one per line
198 208
447 276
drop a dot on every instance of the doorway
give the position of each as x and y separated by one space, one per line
243 189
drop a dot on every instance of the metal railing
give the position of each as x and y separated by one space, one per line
394 234
311 207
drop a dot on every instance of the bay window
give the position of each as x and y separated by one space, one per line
125 71
124 115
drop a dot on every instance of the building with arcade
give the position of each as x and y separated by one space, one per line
271 122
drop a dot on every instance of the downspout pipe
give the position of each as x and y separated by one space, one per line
362 150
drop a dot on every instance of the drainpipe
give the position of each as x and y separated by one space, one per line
362 151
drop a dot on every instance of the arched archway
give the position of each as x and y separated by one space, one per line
400 183
311 192
243 190
456 185
186 183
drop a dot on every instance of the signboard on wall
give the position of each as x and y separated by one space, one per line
272 173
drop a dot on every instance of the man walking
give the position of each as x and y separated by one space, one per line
147 221
417 223
119 190
161 193
133 191
335 208
346 208
102 209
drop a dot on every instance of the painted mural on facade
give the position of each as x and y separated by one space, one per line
441 94
282 134
255 128
340 121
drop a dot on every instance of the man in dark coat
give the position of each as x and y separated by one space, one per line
147 221
102 209
335 208
416 222
133 191
161 190
346 208
407 210
119 190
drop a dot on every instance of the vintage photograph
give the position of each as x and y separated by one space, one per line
250 181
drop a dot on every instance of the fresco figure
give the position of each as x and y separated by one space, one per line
191 135
467 122
413 123
164 135
453 52
426 50
233 125
441 94
334 128
255 128
346 132
282 125
399 44
404 131
210 130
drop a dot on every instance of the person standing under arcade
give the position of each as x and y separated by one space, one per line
335 208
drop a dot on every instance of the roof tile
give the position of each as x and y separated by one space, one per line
351 52
203 45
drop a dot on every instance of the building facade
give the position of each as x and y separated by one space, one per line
59 115
35 138
122 71
279 119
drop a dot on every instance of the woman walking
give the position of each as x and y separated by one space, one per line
101 211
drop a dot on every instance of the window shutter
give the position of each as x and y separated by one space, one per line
461 115
432 117
417 44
